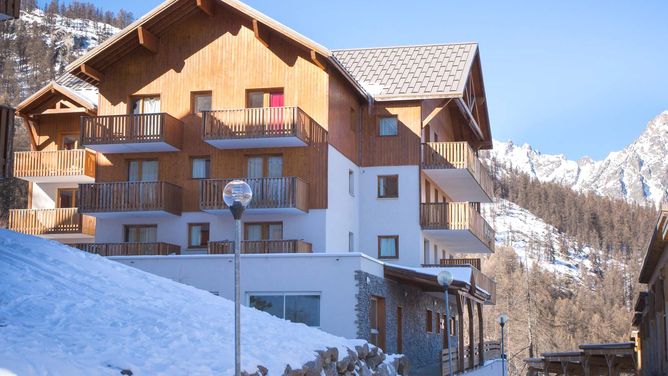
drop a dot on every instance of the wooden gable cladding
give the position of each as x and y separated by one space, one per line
402 149
52 128
443 122
219 54
346 116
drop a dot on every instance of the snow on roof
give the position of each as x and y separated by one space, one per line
81 88
65 311
459 273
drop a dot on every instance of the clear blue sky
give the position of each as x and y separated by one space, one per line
576 77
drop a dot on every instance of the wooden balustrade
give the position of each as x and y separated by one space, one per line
475 262
261 246
51 221
268 193
131 128
129 249
258 123
129 197
457 216
29 164
444 155
491 350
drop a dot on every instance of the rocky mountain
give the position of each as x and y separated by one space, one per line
638 173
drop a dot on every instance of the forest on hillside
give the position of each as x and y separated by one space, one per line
556 312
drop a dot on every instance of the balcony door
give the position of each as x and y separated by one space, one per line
67 198
148 125
270 168
143 170
141 233
258 234
268 118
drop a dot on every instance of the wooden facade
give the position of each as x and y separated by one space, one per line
6 137
10 9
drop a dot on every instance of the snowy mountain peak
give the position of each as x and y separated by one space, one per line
638 173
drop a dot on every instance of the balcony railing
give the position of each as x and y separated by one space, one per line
263 122
468 360
51 221
131 129
457 216
458 155
261 247
129 249
268 193
475 262
130 197
54 163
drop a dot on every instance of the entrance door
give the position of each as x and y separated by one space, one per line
67 198
377 321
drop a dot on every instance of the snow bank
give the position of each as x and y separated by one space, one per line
63 311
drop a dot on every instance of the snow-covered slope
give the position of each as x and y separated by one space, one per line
536 242
638 173
66 312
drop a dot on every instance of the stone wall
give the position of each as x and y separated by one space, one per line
422 348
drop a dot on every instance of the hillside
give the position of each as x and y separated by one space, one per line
67 312
638 173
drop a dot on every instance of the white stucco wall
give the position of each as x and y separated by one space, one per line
342 208
391 216
174 229
329 275
44 195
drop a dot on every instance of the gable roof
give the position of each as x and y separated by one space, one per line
656 247
53 87
411 72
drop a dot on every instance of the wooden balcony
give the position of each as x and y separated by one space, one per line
265 127
261 247
129 249
457 170
59 223
54 166
133 133
458 225
270 195
10 9
468 360
474 262
130 198
477 279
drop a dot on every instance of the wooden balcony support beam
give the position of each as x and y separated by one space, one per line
206 6
75 110
436 111
473 124
262 37
316 61
28 123
148 40
91 72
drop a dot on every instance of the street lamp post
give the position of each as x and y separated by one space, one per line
444 279
237 194
502 320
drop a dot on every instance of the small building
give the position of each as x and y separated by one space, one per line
9 9
6 136
651 306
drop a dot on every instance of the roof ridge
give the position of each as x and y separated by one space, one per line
404 46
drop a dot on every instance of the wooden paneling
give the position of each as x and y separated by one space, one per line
130 197
218 54
50 129
51 221
54 163
6 135
402 149
345 127
134 128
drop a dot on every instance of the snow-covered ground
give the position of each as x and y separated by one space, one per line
66 312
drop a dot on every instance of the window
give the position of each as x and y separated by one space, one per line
198 235
142 170
67 198
430 321
265 98
141 233
425 252
388 246
377 321
200 167
69 142
263 231
260 166
303 309
351 242
201 101
351 182
388 186
145 104
387 126
435 254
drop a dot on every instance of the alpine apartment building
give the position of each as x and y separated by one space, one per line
363 165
